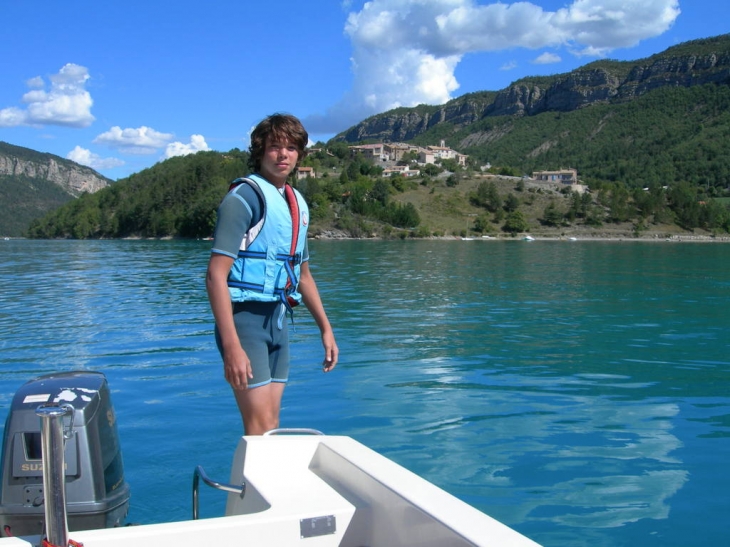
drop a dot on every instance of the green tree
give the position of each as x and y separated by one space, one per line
552 215
402 215
339 149
450 165
488 196
381 191
515 223
481 224
431 170
683 202
618 204
511 203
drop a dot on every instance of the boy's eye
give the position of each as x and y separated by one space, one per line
277 147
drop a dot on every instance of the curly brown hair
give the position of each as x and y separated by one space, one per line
279 127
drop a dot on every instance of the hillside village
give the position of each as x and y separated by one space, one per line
392 155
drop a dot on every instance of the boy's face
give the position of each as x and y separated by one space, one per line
279 160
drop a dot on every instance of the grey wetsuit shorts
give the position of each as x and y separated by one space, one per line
266 345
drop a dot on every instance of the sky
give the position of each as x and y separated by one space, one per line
121 85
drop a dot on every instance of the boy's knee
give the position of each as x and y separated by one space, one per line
258 425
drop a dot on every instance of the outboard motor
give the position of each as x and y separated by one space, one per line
97 494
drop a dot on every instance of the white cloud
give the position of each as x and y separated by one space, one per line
197 144
547 59
66 103
142 140
35 82
405 52
600 26
509 66
12 117
88 158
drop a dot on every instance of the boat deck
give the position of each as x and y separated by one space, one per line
319 491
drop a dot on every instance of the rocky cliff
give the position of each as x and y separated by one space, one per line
73 178
690 64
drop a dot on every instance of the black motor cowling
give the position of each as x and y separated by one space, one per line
97 494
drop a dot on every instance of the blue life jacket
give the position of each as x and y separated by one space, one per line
269 260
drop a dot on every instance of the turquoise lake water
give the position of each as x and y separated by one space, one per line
576 391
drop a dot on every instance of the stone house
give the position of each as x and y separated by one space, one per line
403 170
306 172
374 152
565 176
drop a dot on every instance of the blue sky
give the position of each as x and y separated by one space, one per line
121 85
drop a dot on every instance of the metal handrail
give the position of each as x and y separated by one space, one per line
293 431
241 490
200 474
53 441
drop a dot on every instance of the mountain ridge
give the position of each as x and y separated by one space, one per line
33 183
74 178
693 63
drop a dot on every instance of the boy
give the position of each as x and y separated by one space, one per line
258 269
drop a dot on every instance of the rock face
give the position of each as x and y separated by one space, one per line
72 177
569 92
405 124
600 82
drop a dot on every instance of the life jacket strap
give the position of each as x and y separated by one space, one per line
294 259
255 287
293 203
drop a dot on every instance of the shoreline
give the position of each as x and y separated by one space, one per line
647 238
335 234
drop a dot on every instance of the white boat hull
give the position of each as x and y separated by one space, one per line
317 491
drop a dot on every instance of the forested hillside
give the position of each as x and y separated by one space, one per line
24 199
349 197
177 197
670 135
